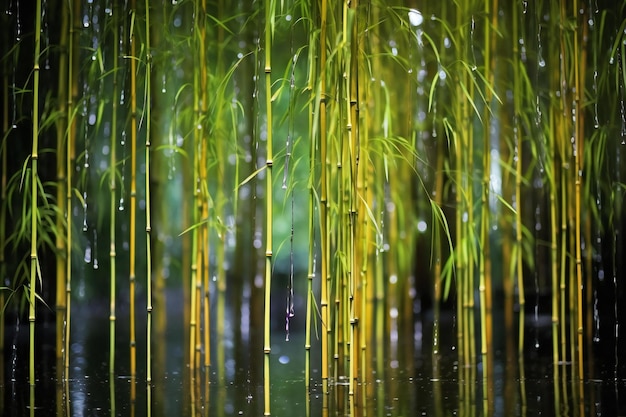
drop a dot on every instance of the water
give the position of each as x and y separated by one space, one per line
409 381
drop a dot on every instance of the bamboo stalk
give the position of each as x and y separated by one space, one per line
196 258
203 246
313 134
72 85
148 113
269 32
133 194
518 158
34 185
579 61
61 127
112 197
324 212
484 285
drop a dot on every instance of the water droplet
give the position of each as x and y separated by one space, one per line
415 17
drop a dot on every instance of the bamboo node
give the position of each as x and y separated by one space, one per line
269 162
267 350
268 253
268 69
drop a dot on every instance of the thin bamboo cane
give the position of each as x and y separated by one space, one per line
324 211
133 194
518 159
34 185
313 135
195 283
484 285
269 32
551 175
579 61
72 85
61 127
203 246
112 188
148 113
561 134
352 142
221 169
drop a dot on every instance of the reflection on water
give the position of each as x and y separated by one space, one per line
409 381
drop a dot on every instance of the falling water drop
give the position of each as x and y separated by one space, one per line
85 227
95 249
18 25
45 40
596 122
415 17
596 318
87 255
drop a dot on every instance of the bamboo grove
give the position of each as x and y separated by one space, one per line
456 155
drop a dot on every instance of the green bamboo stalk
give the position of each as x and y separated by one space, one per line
112 188
221 198
460 207
269 32
517 139
148 113
313 134
34 185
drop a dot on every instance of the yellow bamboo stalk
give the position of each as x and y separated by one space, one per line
484 285
61 127
133 195
324 212
269 29
72 85
34 180
196 257
579 60
203 246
